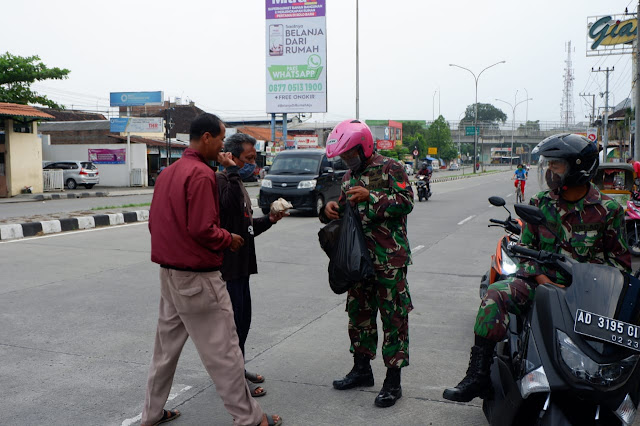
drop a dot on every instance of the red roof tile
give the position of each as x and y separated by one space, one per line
148 142
260 133
24 111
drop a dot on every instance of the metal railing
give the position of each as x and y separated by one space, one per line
137 177
53 180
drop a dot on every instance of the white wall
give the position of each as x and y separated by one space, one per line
110 174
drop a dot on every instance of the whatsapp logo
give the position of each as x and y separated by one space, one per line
314 61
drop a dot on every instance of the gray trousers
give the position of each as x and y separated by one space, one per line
197 304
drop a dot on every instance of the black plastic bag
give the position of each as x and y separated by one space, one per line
350 261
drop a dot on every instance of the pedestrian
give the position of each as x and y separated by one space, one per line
236 216
188 243
636 166
591 228
379 189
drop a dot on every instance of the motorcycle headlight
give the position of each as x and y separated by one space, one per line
535 381
509 267
584 368
266 183
307 184
626 412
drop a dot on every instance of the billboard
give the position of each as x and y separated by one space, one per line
611 34
296 51
136 125
108 156
385 145
136 98
306 141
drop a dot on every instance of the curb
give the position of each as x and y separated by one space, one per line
42 197
32 229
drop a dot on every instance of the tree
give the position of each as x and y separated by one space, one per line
17 73
486 113
530 126
439 136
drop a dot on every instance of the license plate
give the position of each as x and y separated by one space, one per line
610 330
91 175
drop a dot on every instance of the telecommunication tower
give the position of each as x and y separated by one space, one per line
566 107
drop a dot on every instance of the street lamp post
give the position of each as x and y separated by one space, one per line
475 118
513 125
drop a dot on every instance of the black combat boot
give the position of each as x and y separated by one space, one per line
477 382
360 375
391 389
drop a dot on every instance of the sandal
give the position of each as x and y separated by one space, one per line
270 420
253 387
254 377
167 416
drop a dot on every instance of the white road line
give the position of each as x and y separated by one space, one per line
462 222
172 396
510 194
417 248
73 233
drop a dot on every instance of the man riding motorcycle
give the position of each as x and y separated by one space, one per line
590 227
425 170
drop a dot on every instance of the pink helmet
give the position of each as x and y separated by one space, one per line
347 135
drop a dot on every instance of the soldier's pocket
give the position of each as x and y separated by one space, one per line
191 293
584 242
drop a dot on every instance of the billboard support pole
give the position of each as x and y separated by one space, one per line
636 85
284 129
129 147
273 128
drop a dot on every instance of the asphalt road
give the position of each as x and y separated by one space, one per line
78 314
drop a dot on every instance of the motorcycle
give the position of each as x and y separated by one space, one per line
503 263
423 187
573 359
632 221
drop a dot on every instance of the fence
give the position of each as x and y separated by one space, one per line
53 180
136 177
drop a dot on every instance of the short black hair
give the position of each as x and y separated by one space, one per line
235 143
205 123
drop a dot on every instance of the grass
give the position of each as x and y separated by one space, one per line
124 206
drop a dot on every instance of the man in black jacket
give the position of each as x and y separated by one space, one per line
236 216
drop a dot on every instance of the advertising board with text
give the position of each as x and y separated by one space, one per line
296 49
384 145
108 156
136 125
306 141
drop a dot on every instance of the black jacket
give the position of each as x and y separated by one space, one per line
236 216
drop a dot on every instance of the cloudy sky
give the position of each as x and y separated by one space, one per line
212 52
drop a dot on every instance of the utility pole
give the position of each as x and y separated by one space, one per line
636 86
592 117
605 134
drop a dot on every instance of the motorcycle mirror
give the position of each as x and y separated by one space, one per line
530 214
497 201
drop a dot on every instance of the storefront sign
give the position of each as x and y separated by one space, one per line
303 142
611 34
296 56
136 125
384 145
108 156
136 98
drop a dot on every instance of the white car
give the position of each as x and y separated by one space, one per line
454 166
408 169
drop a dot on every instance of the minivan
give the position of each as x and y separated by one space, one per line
304 177
76 173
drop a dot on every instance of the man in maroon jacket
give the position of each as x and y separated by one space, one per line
188 243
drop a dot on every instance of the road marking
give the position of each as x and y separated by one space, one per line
466 220
172 396
417 248
510 194
73 233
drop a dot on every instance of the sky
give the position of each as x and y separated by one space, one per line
213 53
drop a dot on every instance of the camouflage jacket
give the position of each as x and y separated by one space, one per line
591 230
384 215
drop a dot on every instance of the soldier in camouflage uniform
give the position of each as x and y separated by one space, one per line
590 228
379 189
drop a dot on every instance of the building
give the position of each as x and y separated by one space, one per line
20 149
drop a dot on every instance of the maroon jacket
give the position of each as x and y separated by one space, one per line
184 217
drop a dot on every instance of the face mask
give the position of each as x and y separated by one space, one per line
246 170
554 181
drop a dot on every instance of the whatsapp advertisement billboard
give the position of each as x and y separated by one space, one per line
296 46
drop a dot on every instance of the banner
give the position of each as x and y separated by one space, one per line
108 156
384 145
136 125
135 98
306 141
296 49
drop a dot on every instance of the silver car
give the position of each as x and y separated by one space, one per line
76 173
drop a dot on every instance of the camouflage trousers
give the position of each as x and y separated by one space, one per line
389 294
513 295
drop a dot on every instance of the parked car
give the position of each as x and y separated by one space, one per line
76 173
408 169
454 166
304 177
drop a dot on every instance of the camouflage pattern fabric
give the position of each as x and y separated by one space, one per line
590 230
513 295
388 294
384 215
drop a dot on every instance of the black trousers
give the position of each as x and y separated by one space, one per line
240 295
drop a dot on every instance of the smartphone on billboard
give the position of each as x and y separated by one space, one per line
276 40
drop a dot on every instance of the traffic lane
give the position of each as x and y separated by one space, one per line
32 208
